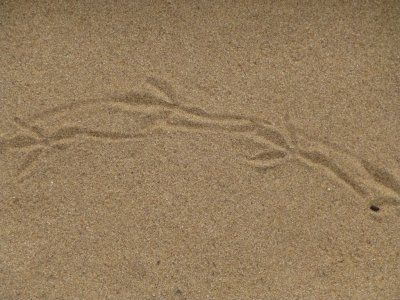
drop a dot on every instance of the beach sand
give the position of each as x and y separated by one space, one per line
199 150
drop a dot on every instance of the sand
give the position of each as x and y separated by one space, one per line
199 150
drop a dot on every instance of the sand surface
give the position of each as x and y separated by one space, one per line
199 150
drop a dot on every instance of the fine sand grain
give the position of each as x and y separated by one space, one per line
199 150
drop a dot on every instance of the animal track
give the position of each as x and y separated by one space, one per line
322 160
71 132
268 159
279 145
40 144
268 155
382 176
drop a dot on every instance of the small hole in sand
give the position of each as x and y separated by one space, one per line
374 208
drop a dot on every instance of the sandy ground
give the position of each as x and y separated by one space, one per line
199 150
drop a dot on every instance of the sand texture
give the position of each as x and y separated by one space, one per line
199 150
